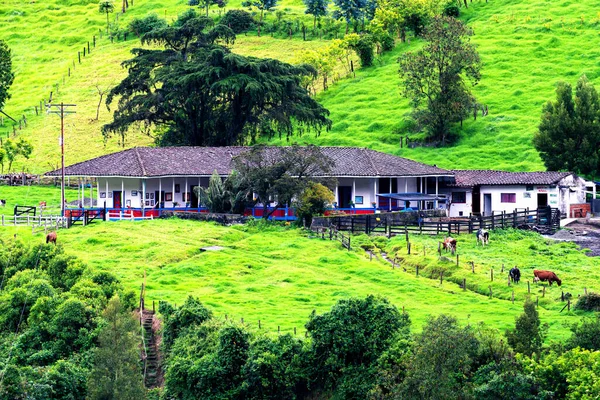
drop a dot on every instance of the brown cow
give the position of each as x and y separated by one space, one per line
449 244
51 237
546 276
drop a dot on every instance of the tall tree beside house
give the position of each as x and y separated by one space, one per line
6 74
262 6
106 7
280 174
176 89
316 8
436 77
568 138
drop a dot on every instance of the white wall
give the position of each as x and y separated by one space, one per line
366 188
524 198
456 208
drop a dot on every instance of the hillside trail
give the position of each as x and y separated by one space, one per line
154 376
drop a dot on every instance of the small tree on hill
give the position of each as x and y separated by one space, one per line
6 74
528 336
12 150
316 8
116 373
569 133
106 7
262 6
207 3
435 76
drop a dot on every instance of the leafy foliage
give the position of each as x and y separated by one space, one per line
588 302
12 150
106 7
529 334
569 133
116 373
262 6
586 334
141 26
316 8
435 76
349 10
225 196
6 74
442 359
280 173
314 200
239 21
176 88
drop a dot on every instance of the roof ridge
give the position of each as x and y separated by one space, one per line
367 153
139 158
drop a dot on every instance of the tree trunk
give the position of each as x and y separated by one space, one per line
98 108
261 19
207 8
315 23
107 23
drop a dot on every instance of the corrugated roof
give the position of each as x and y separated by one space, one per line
203 161
469 178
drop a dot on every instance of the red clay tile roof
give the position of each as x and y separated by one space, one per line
203 161
469 178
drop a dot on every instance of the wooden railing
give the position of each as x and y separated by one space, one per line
391 224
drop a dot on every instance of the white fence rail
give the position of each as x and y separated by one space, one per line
38 223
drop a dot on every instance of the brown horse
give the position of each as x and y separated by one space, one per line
51 237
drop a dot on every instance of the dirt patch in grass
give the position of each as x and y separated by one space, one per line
586 236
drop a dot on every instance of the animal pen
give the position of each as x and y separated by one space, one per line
400 223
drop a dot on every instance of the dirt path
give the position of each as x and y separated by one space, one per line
586 236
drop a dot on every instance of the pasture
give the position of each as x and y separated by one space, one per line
32 196
278 274
525 47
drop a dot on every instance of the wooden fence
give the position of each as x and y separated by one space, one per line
392 224
333 234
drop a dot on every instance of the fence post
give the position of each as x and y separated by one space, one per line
464 283
457 260
513 297
508 280
537 301
584 290
528 288
502 268
569 305
259 324
543 291
491 274
441 277
417 270
473 266
491 293
440 248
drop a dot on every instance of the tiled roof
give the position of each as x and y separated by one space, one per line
203 161
469 178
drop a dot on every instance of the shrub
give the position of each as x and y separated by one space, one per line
141 26
239 21
364 49
528 336
588 302
387 42
451 10
585 335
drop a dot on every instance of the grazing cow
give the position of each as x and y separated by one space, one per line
449 244
51 237
546 276
483 236
515 274
2 203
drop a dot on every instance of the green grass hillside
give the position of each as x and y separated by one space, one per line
526 47
279 275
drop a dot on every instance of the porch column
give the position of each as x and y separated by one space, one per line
436 191
353 191
405 185
91 194
375 192
98 193
173 193
199 183
336 196
122 192
185 192
143 196
159 192
107 190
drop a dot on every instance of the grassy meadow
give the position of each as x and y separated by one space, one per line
33 195
526 47
279 274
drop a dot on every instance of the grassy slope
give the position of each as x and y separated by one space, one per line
279 275
525 47
33 195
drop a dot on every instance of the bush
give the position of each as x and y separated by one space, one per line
239 21
585 335
141 26
364 49
588 302
387 42
451 10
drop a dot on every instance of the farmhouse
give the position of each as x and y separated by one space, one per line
485 191
146 178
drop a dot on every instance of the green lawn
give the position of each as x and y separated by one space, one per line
33 195
279 275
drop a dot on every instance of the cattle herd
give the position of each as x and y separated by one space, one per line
483 237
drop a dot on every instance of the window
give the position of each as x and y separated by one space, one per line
508 197
529 187
459 197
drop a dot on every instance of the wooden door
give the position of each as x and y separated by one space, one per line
117 201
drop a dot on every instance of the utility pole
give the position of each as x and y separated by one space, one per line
61 109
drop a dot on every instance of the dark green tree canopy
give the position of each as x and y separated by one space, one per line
316 8
435 77
6 74
195 91
569 133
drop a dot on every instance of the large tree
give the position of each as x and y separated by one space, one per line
196 92
316 8
6 74
436 77
350 10
280 174
569 133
